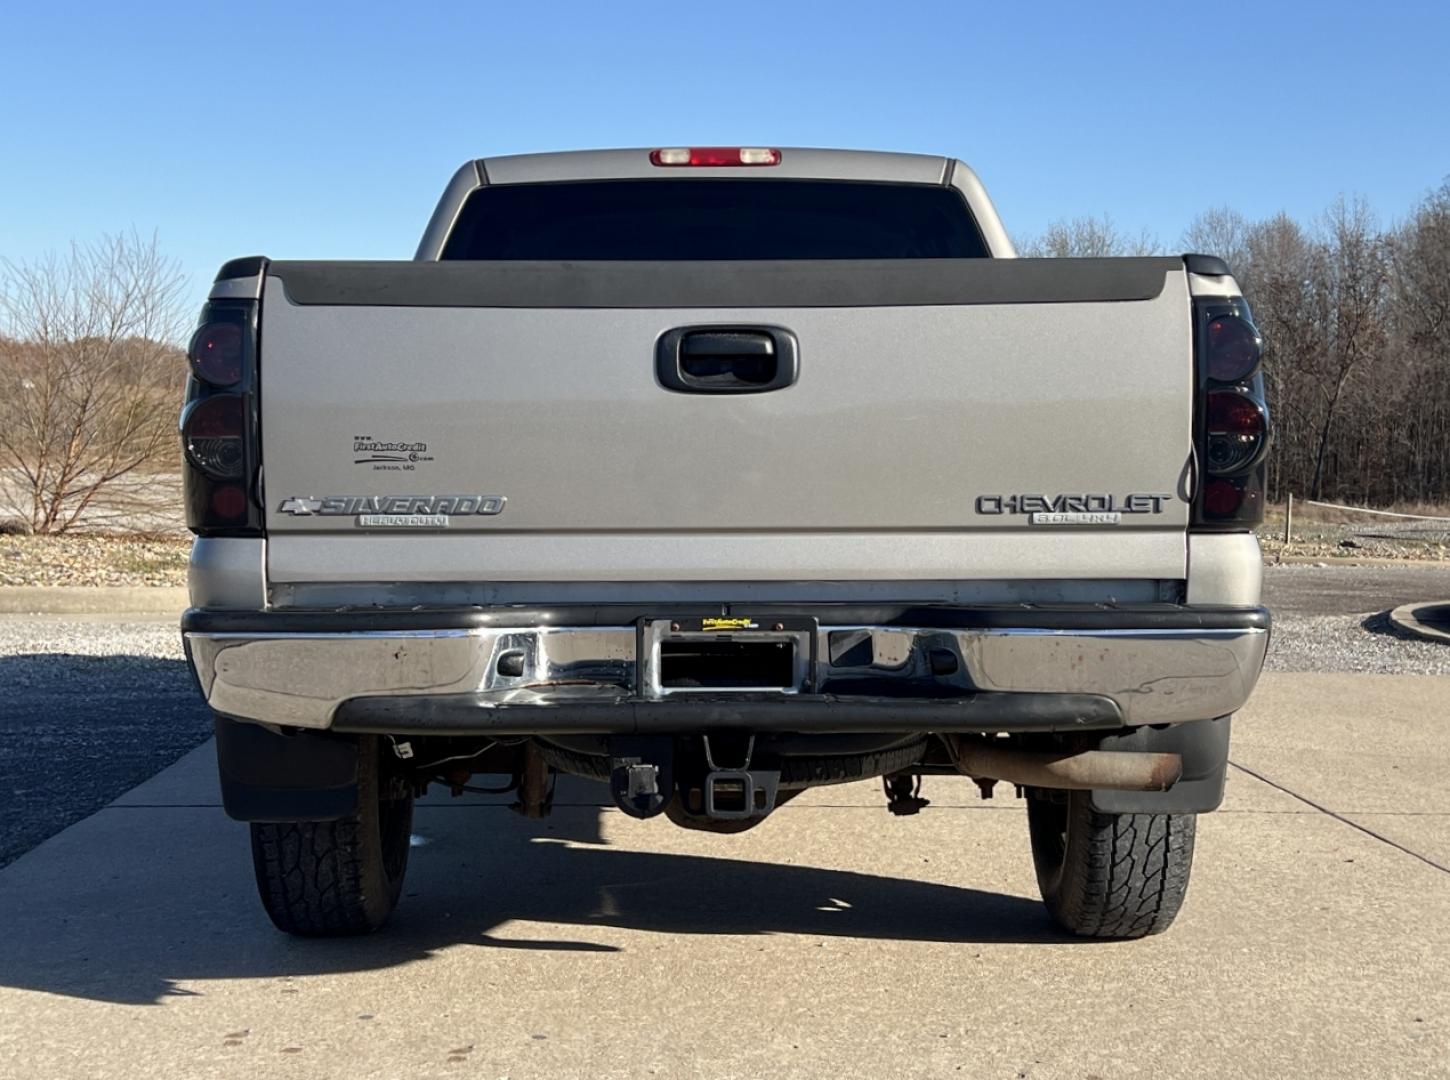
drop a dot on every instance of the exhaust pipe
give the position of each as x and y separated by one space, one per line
1068 770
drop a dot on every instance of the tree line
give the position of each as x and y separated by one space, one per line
1357 319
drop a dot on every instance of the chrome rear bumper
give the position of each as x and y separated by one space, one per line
1171 667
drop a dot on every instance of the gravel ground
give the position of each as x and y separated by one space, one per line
87 637
1351 643
90 708
1334 618
93 560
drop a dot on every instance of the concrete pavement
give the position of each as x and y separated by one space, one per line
833 941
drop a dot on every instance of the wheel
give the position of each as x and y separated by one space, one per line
336 878
1108 875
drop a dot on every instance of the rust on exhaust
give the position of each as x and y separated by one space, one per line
536 795
1068 770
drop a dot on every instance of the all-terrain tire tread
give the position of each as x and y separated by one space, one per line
311 877
1125 875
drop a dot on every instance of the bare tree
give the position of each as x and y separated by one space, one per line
1353 287
1421 271
1279 268
89 379
1420 279
1085 237
1220 231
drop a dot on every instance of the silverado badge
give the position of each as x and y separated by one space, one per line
395 511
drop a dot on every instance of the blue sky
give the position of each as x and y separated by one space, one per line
307 130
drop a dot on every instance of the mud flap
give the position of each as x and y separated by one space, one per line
1203 745
309 776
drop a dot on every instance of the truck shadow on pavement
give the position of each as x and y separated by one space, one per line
140 903
556 879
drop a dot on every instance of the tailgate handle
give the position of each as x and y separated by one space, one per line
726 359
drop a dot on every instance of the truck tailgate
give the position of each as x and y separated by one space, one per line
929 394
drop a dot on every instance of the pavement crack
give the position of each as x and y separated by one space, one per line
1341 818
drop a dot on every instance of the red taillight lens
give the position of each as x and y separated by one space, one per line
1234 414
214 435
714 156
216 353
1235 426
229 502
1234 349
1221 499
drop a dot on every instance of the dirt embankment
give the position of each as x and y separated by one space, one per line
1326 534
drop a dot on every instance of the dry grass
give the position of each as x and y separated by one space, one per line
1325 533
1321 515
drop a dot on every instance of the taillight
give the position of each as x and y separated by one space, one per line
1234 348
1231 420
219 423
216 353
1236 429
213 430
1221 498
714 156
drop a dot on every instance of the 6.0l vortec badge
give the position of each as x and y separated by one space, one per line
395 511
1087 508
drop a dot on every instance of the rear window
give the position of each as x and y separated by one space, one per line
653 220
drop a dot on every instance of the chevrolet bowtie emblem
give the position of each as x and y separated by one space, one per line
300 507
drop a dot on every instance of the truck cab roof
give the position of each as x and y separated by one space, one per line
794 163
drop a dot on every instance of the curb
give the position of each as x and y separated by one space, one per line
1427 619
93 600
1351 560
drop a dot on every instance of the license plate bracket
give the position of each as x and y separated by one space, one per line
726 654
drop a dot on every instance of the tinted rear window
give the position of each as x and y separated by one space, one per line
655 220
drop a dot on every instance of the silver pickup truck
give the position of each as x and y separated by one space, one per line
716 474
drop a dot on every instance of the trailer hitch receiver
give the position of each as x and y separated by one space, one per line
743 792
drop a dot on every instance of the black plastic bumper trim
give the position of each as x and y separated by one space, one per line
474 714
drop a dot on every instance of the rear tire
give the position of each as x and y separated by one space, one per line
1109 875
343 877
